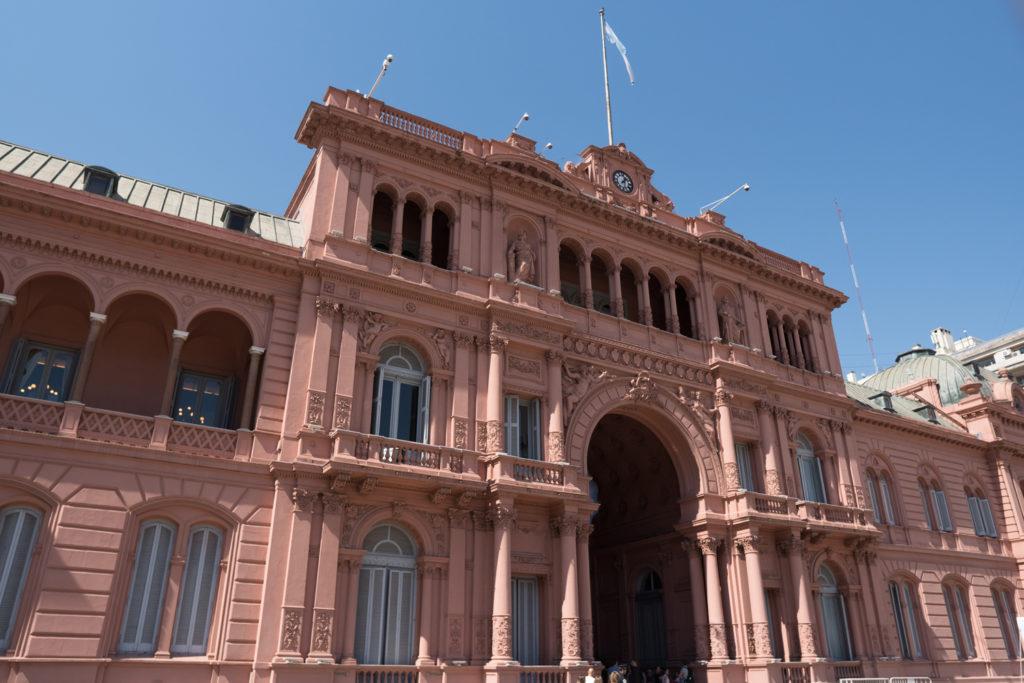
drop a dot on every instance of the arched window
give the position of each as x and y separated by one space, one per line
145 608
685 311
958 609
600 284
401 395
1006 610
382 218
880 493
630 294
981 512
386 609
198 589
650 619
907 613
146 596
18 529
569 275
811 476
412 228
833 614
936 506
775 336
656 295
440 239
806 346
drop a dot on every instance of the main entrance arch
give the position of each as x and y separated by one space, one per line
649 455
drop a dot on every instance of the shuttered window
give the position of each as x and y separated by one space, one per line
941 509
887 503
959 620
198 590
146 597
810 470
526 620
385 610
833 611
1007 613
904 610
18 528
522 427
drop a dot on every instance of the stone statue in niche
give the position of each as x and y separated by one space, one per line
522 262
730 323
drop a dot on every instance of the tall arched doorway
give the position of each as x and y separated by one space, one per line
640 584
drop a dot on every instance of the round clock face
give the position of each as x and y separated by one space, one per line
623 181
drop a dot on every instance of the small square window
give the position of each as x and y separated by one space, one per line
202 399
99 180
237 218
43 372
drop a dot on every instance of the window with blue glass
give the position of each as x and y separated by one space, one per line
401 396
202 399
42 371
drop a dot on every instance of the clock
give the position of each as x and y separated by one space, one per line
623 181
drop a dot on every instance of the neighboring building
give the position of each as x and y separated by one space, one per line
463 415
1003 355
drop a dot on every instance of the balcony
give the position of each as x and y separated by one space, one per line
833 516
398 455
75 420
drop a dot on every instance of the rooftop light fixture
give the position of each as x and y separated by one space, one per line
745 187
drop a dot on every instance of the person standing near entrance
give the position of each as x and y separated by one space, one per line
634 675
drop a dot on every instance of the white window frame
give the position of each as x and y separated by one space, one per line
874 497
513 427
888 505
958 611
808 458
526 620
829 594
389 371
14 570
387 575
904 610
1006 611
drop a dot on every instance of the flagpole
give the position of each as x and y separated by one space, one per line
607 91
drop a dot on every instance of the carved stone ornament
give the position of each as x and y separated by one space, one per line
577 380
641 388
762 641
748 544
441 496
325 308
332 502
772 483
719 647
496 343
315 409
708 545
460 432
368 485
699 403
522 262
571 638
495 436
807 647
556 446
323 623
564 525
524 366
501 516
791 422
373 324
303 499
291 629
442 339
732 476
501 635
342 412
455 635
826 431
703 642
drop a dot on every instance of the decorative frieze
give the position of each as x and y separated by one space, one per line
556 446
291 629
641 388
372 325
501 635
637 359
315 409
524 366
342 412
303 500
571 638
323 628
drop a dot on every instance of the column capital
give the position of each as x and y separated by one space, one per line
256 350
325 308
8 299
179 334
708 545
333 502
554 355
303 500
763 406
748 543
564 525
501 515
584 530
722 398
98 318
789 545
496 343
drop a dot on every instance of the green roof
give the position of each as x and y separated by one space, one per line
903 407
920 363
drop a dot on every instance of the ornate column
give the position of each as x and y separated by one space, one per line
716 613
842 430
495 394
426 234
785 429
397 220
588 285
296 570
427 571
321 649
755 588
316 395
699 597
353 562
616 278
96 321
762 318
178 338
671 312
838 465
458 522
344 386
247 418
556 440
551 245
7 302
583 532
793 547
503 518
165 626
645 298
722 397
772 474
565 528
780 335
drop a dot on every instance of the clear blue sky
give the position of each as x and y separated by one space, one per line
909 113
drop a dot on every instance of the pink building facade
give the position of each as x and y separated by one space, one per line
463 415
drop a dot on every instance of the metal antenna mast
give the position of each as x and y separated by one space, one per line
856 285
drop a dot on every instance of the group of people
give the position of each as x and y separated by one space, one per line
633 673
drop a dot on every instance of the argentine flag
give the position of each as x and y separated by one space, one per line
614 40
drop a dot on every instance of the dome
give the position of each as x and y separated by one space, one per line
920 363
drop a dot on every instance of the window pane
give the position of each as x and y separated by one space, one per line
746 472
965 620
953 625
29 379
211 401
898 613
17 537
873 495
387 396
186 404
887 505
911 610
525 428
149 579
199 584
408 411
58 381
